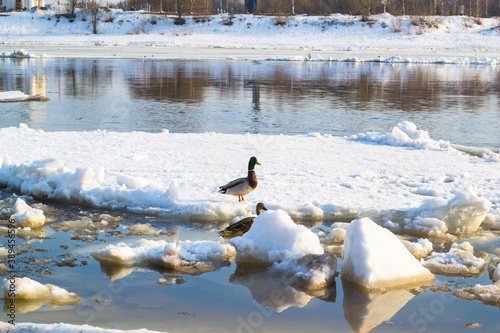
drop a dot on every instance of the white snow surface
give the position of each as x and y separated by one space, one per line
374 258
274 237
25 216
63 328
183 172
336 37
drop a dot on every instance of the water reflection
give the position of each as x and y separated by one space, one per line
457 103
365 310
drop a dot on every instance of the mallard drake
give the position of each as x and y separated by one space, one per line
242 186
242 226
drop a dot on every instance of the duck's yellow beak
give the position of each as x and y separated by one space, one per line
257 162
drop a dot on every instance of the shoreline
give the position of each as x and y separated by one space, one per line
432 56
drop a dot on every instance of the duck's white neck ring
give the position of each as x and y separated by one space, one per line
251 170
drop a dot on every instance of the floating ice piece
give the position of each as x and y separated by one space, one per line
375 258
63 328
459 261
18 96
488 294
27 217
430 226
25 288
404 134
463 213
421 248
365 310
61 297
309 272
188 257
143 229
274 237
494 269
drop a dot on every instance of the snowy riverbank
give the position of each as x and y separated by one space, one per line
335 37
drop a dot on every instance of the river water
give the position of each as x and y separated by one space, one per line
455 103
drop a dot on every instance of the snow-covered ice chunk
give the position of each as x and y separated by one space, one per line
274 237
488 294
405 134
463 213
188 257
420 249
309 272
18 96
365 310
132 182
459 261
61 297
25 288
27 217
375 258
430 226
494 269
63 328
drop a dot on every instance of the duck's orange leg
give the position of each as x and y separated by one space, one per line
240 198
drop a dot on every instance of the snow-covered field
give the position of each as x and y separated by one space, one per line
453 39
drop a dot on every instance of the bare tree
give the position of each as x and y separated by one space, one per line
93 6
71 10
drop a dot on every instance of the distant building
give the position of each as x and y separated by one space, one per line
21 4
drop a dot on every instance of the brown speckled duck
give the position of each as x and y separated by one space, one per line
242 186
242 226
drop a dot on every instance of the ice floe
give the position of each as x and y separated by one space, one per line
459 261
29 295
274 237
419 249
64 328
18 96
374 258
187 257
494 269
25 216
488 294
461 214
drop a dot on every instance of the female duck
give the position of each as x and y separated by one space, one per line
242 186
242 226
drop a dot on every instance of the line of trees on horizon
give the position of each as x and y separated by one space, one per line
475 8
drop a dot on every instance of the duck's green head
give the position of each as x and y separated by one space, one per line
252 162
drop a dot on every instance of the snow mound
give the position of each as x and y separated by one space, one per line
420 249
63 328
309 272
430 226
274 237
188 257
27 217
459 261
375 258
404 134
